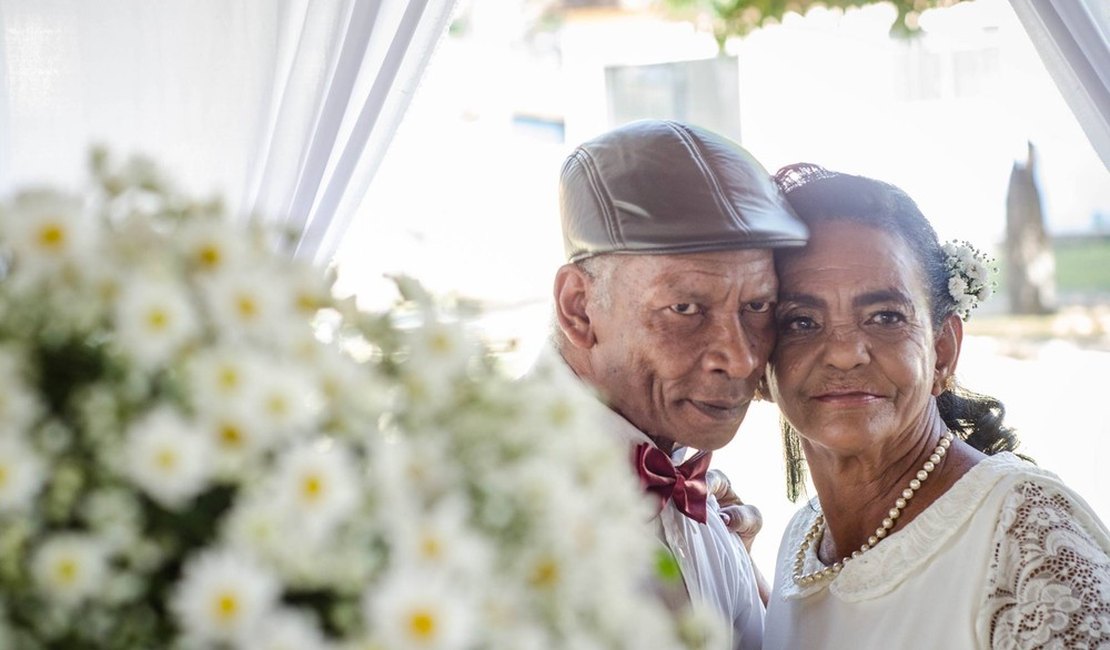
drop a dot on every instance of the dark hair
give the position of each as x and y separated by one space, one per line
819 195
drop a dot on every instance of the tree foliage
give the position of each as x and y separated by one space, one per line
738 17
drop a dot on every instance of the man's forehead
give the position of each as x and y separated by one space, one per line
753 266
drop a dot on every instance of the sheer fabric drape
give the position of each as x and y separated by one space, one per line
1072 40
284 107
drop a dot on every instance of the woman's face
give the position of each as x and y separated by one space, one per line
855 361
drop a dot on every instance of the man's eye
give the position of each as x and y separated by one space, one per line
686 308
758 307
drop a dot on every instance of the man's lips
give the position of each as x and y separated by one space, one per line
718 409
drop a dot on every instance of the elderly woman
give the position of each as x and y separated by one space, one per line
926 531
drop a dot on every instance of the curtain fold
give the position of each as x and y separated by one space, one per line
284 108
1072 40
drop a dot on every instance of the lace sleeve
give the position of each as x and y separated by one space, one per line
1049 579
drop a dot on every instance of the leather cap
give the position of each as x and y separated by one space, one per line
664 187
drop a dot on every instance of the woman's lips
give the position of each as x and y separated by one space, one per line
847 398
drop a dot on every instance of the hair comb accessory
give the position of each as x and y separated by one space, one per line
792 177
969 272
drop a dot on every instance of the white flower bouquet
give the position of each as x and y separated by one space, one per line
201 448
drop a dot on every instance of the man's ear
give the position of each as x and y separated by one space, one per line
949 338
571 288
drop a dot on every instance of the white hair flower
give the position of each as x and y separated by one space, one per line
969 272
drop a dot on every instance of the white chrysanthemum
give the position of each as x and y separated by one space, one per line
18 404
287 629
69 567
222 596
417 611
221 376
446 347
21 474
250 304
46 230
260 527
236 438
167 457
319 483
286 400
214 246
441 541
154 319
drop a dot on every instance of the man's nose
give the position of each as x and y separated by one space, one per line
730 350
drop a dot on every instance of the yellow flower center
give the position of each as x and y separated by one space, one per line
52 236
228 378
440 343
278 405
546 573
66 571
226 606
166 459
431 547
306 303
209 256
157 319
312 487
560 413
247 307
422 624
231 435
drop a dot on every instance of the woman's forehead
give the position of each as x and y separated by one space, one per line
845 251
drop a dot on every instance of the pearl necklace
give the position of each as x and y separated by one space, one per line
815 531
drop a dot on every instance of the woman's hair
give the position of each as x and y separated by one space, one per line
819 195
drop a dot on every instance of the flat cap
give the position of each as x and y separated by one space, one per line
664 187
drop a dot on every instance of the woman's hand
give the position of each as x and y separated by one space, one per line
743 519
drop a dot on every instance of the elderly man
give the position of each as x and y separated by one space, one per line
666 308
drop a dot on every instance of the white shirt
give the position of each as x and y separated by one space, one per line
1008 557
715 566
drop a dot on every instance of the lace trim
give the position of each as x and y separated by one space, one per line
1049 584
883 568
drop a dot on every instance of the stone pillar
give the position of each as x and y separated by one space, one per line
1030 262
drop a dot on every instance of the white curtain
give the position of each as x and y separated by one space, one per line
1072 39
283 107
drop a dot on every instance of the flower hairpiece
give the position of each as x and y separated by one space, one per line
968 275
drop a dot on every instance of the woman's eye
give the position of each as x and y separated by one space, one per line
686 308
797 324
888 318
758 307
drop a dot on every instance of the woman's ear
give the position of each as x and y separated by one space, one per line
947 344
571 284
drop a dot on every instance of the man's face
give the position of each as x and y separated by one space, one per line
684 340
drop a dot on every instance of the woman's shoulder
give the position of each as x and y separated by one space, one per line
1050 569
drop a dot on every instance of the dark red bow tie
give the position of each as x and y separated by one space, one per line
685 484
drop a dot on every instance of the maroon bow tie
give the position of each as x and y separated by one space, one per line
684 484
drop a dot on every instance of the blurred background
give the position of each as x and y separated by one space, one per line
952 104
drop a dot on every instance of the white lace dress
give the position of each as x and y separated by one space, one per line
1009 557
